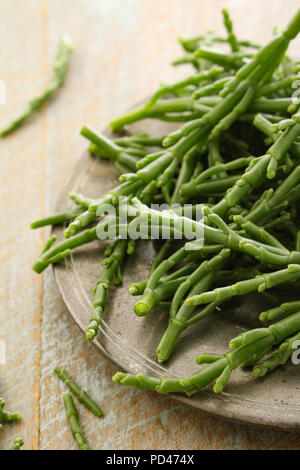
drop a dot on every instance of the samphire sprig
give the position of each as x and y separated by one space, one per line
278 357
82 395
18 443
6 416
245 349
112 273
235 155
73 418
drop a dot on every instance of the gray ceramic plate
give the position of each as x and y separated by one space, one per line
130 342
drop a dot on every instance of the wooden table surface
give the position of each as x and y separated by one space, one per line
122 50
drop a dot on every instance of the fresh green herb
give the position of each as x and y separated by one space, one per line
235 155
73 418
18 444
5 416
82 395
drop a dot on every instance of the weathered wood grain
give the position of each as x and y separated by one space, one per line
122 51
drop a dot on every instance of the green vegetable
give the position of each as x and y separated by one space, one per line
60 69
191 44
258 233
231 61
56 219
192 80
278 357
239 93
257 171
110 149
246 348
111 273
18 444
62 217
232 39
5 416
82 395
180 313
97 208
149 297
224 236
260 283
284 310
73 418
63 249
234 160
